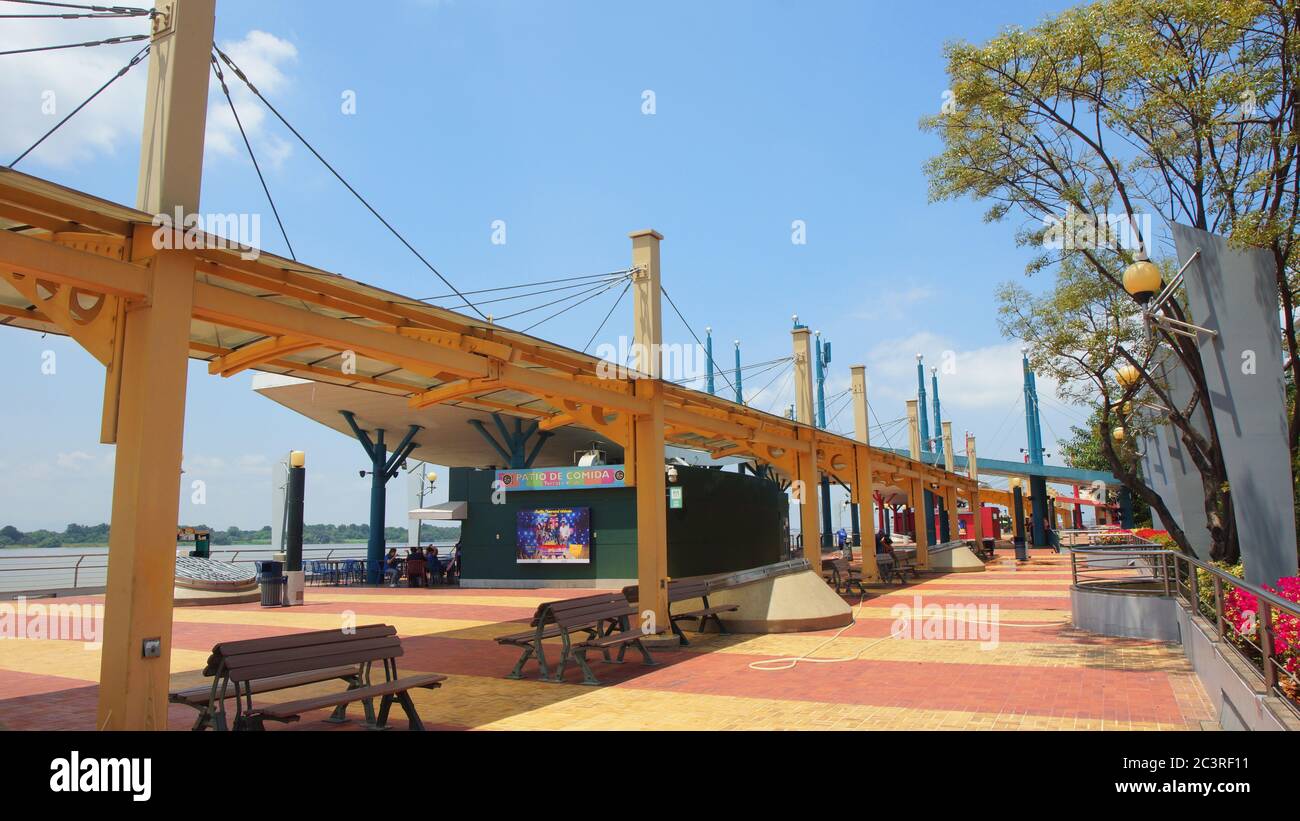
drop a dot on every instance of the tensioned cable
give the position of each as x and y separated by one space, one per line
130 65
677 311
623 272
787 371
542 292
884 432
601 327
598 288
240 74
130 11
111 41
757 368
569 308
221 78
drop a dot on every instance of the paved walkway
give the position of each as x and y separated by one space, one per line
1035 672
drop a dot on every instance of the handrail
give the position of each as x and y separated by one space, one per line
58 566
1173 573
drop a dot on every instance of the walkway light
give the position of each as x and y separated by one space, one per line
1127 376
1142 280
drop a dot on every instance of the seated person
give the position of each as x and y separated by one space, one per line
432 561
392 566
884 544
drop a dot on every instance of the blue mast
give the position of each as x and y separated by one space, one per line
740 394
708 354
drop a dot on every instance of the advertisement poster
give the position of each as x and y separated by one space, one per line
553 535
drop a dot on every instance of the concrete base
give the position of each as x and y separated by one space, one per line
793 603
295 583
1129 615
189 597
958 560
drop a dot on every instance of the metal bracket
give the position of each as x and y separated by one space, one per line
162 21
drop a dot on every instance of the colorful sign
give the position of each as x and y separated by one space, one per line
553 536
567 478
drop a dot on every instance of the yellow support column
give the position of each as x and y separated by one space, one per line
950 492
651 515
923 517
648 435
972 470
136 653
808 478
862 487
647 303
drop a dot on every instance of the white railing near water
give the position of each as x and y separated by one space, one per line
33 571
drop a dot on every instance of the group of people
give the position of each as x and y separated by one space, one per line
434 566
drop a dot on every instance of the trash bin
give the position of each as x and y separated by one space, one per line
988 546
271 578
1022 552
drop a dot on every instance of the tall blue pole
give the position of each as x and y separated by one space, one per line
938 416
740 393
382 468
823 357
708 354
1037 484
927 497
944 528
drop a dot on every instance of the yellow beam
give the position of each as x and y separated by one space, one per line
258 353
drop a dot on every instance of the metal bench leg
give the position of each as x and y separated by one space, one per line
518 672
408 706
681 636
384 705
588 677
645 654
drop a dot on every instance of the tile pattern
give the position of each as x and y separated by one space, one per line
960 664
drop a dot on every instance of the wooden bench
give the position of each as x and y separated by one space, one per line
844 577
680 590
578 615
213 715
541 627
252 666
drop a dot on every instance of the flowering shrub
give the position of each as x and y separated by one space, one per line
1240 608
1205 585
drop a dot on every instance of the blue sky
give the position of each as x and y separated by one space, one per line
531 113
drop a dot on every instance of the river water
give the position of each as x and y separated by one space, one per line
62 568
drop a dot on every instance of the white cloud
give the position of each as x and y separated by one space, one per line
30 82
263 58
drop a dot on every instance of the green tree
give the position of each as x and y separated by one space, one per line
1182 109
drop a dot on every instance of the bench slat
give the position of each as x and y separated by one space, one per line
290 709
238 663
199 696
226 648
297 665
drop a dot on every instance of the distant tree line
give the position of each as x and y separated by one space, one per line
75 535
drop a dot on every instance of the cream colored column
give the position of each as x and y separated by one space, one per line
950 492
648 433
135 657
917 494
863 488
807 474
977 512
647 303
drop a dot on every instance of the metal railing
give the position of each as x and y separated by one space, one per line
1208 593
35 571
